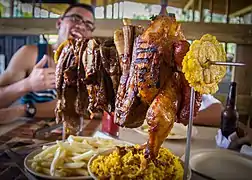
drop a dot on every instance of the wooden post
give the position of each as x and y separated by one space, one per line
163 4
201 11
105 2
243 75
193 11
11 8
33 8
112 2
211 10
227 10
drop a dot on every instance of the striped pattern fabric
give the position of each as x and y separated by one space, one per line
39 97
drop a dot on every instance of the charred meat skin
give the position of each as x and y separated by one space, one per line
161 115
184 110
155 83
130 110
180 49
147 64
84 82
110 62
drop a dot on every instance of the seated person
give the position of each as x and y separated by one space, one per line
210 112
30 75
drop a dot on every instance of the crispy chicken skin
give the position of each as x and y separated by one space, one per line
162 114
155 87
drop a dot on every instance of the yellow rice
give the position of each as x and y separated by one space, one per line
130 166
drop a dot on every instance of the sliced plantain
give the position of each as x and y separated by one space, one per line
200 74
58 51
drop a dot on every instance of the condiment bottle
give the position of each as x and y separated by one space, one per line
230 116
108 125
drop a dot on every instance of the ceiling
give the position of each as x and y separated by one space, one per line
219 6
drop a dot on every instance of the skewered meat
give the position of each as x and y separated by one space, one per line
154 86
151 87
180 50
125 41
86 79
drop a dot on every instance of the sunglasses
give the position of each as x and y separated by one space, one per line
79 20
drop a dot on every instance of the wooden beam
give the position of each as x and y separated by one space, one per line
232 33
242 11
188 5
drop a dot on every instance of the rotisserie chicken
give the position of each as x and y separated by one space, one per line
152 86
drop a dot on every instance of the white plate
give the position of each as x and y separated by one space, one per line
189 175
221 164
30 156
179 131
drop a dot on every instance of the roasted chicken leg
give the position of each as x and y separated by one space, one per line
161 114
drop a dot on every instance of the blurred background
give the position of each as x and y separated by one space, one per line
31 21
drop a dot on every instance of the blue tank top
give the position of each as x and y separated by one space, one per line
40 96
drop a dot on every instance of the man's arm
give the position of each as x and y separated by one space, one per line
11 114
211 116
13 83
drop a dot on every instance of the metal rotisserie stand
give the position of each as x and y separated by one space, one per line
190 123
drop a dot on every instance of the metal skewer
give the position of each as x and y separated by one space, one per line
220 63
189 133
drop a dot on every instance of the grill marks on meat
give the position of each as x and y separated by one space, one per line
83 84
130 110
147 62
151 86
109 57
81 100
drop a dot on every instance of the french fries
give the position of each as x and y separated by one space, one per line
70 158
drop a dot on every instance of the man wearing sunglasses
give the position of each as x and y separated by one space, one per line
30 75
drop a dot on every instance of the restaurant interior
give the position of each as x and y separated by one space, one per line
56 148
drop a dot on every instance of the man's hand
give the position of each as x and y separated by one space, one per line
41 78
11 114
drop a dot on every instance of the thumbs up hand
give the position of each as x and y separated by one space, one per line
41 78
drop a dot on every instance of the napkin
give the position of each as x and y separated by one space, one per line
222 141
246 150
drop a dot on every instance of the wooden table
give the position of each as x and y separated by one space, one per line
205 138
22 129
